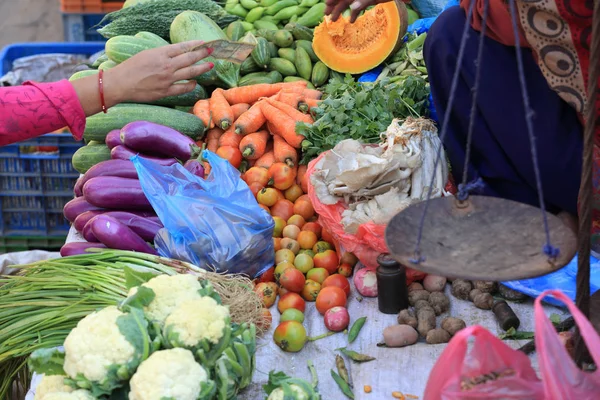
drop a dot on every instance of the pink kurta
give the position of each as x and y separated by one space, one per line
37 108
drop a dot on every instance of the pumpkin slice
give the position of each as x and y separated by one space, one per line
361 46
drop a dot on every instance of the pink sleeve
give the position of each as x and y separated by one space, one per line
35 109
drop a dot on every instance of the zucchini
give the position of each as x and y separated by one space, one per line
88 156
121 48
193 25
261 53
152 38
83 74
98 126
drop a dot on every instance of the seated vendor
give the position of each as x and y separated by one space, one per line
555 39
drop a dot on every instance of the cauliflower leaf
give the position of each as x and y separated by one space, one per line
47 361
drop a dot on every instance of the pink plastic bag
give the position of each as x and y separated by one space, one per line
488 370
562 379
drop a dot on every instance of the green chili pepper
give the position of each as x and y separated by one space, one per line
354 356
355 330
343 385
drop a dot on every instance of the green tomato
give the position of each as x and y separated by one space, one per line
291 314
290 336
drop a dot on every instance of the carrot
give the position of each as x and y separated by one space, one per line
251 94
266 160
292 112
250 121
307 104
212 139
221 110
284 153
230 138
239 109
202 111
312 94
282 125
253 146
291 99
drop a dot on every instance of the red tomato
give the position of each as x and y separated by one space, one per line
304 208
327 259
292 300
267 293
231 154
338 281
282 176
268 276
345 270
330 297
257 174
311 290
283 209
255 188
313 227
292 280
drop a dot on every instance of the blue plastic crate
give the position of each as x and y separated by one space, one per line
82 27
35 185
18 50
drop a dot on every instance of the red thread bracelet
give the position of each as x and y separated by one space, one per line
101 89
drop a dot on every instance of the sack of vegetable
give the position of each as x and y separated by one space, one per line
214 223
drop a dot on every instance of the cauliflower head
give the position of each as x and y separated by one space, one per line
281 386
197 320
76 395
105 348
51 384
171 374
294 390
169 293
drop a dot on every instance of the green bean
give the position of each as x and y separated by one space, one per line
354 356
341 367
355 330
313 374
343 385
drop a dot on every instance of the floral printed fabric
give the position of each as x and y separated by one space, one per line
35 109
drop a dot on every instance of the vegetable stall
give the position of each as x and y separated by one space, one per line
228 242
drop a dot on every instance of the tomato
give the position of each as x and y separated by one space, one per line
307 239
304 197
47 149
303 263
283 209
291 314
266 320
280 269
280 195
293 192
317 274
327 259
291 231
326 236
283 292
304 208
290 244
337 319
292 280
329 297
279 226
311 290
284 255
268 276
291 300
339 281
290 336
307 252
349 258
257 174
282 176
231 154
265 208
345 270
321 246
267 293
255 188
313 227
302 178
296 220
267 197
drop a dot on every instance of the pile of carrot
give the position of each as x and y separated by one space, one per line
256 125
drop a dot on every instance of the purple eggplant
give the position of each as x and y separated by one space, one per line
195 167
142 226
125 153
113 139
147 137
83 219
116 193
119 168
78 189
78 206
76 248
116 235
87 233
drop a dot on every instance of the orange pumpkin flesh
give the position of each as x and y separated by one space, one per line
361 46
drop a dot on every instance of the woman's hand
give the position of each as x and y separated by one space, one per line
145 77
336 8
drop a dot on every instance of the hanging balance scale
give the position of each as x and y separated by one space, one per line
480 237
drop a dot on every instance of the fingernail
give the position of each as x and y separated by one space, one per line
211 65
210 50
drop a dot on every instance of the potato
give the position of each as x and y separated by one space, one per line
417 295
400 336
461 289
485 286
437 336
433 283
425 320
473 293
406 317
484 301
422 304
439 302
415 286
511 295
453 325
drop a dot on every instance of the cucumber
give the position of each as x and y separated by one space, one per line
103 57
88 156
249 66
152 38
238 10
186 99
247 25
280 5
83 74
283 38
300 32
121 48
107 65
98 126
313 16
303 63
287 13
288 54
193 25
296 79
235 31
320 74
94 143
306 45
283 66
267 3
255 80
261 53
249 4
267 25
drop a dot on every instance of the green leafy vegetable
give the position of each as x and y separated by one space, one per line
513 334
47 361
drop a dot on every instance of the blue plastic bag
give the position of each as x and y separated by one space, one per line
214 223
432 8
563 280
